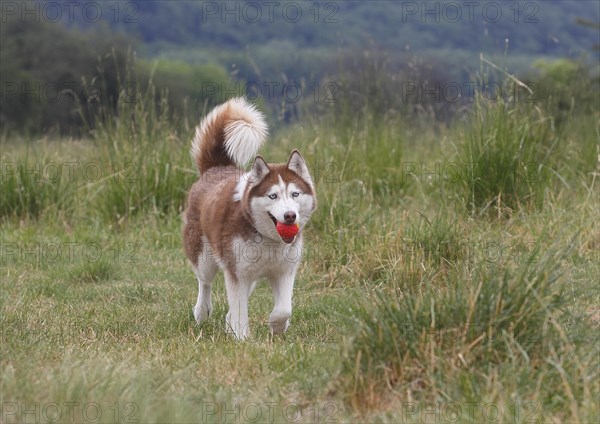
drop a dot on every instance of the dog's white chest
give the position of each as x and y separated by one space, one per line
263 257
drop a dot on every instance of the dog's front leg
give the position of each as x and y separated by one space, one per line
237 297
282 286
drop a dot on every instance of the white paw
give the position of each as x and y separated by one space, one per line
279 322
201 314
239 332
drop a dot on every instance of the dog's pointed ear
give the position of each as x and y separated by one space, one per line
259 169
297 164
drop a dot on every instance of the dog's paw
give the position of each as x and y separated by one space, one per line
279 322
238 331
279 327
201 314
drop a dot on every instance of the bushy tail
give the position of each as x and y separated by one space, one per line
231 133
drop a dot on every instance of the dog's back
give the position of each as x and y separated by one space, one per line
228 137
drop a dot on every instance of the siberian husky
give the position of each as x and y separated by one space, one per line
232 217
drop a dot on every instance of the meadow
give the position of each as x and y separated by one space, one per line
450 275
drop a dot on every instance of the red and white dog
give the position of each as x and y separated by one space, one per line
234 218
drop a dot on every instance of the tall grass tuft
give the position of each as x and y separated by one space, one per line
32 186
436 240
506 157
144 146
442 345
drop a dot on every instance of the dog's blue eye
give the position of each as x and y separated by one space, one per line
272 196
295 193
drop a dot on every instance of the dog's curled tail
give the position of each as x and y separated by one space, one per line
231 133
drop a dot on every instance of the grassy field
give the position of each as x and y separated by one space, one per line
451 275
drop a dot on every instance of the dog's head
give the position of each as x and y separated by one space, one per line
281 193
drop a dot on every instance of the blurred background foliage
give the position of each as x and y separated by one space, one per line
57 73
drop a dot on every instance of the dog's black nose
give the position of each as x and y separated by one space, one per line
290 217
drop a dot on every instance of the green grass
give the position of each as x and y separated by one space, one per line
468 326
414 294
30 186
508 157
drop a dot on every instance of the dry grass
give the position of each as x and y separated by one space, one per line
407 300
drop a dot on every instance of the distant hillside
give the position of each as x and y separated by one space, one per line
265 40
534 27
198 53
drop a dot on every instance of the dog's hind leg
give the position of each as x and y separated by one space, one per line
205 273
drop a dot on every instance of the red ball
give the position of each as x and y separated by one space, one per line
287 230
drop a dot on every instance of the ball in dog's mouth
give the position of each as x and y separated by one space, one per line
287 232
